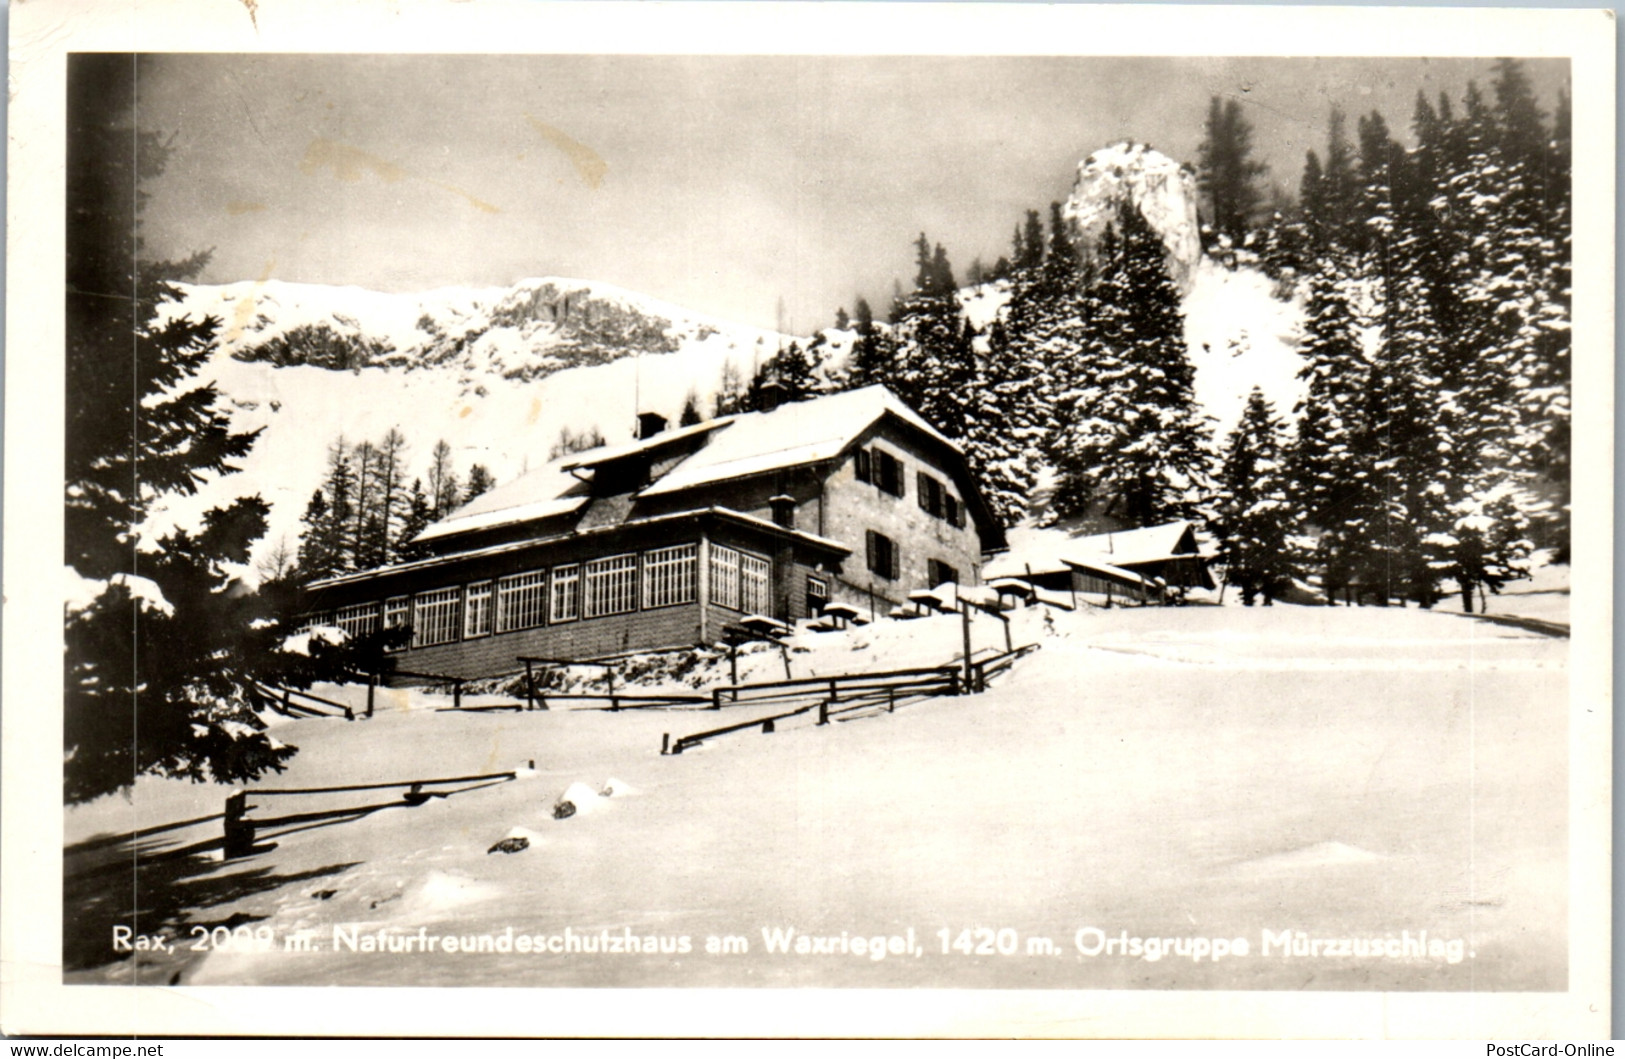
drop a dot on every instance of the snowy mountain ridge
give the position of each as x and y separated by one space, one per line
530 329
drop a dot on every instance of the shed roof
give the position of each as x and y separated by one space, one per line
1052 552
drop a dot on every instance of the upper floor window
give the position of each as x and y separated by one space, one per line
938 502
883 555
881 468
930 494
939 572
889 473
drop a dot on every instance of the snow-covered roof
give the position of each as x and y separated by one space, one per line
736 446
1053 552
542 493
1127 547
1094 566
514 546
791 435
604 454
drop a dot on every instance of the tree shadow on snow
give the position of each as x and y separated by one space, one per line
156 891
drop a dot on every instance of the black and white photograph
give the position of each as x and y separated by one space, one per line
1086 526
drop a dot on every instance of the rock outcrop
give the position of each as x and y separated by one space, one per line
1163 189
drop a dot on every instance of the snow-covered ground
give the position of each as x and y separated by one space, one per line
1197 772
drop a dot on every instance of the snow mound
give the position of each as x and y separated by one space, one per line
583 797
614 788
440 891
533 837
1319 855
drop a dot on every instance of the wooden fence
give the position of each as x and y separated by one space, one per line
240 831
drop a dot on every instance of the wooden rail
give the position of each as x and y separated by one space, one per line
240 831
769 691
988 668
282 701
857 691
849 693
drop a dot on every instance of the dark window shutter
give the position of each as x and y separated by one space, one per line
896 561
860 461
869 549
922 482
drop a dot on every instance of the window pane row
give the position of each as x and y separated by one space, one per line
435 620
522 601
477 612
611 586
668 576
358 620
752 584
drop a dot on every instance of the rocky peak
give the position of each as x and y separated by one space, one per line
1163 189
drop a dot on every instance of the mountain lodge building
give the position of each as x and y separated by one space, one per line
665 541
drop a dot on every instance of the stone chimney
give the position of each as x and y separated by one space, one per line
784 510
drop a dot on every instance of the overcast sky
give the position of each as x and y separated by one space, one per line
721 184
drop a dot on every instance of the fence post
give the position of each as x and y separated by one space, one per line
530 687
767 726
239 831
1008 644
665 743
716 698
823 712
964 615
372 690
457 694
891 698
286 705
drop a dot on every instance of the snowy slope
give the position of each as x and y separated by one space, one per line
1160 770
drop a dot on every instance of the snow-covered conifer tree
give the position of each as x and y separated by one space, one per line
1135 443
1254 518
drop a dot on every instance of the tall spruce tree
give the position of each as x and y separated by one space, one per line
480 482
935 362
445 492
1228 171
1255 519
161 665
1136 444
1330 467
